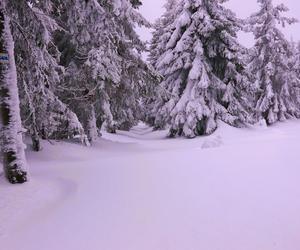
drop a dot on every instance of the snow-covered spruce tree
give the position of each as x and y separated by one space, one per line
163 28
43 114
104 69
136 75
203 66
90 56
294 69
271 64
297 59
12 146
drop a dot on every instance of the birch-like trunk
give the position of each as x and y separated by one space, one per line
14 161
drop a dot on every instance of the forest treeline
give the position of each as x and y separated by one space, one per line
71 67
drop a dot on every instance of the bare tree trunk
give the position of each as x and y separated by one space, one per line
35 138
14 161
36 144
91 128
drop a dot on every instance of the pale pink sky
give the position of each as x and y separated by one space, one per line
152 9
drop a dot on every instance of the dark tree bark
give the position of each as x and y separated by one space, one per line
14 161
36 145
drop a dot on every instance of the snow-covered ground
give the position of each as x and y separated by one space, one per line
238 189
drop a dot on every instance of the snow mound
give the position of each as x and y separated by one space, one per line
213 142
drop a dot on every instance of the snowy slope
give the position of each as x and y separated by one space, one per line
238 189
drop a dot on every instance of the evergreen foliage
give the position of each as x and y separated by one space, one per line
203 65
272 65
